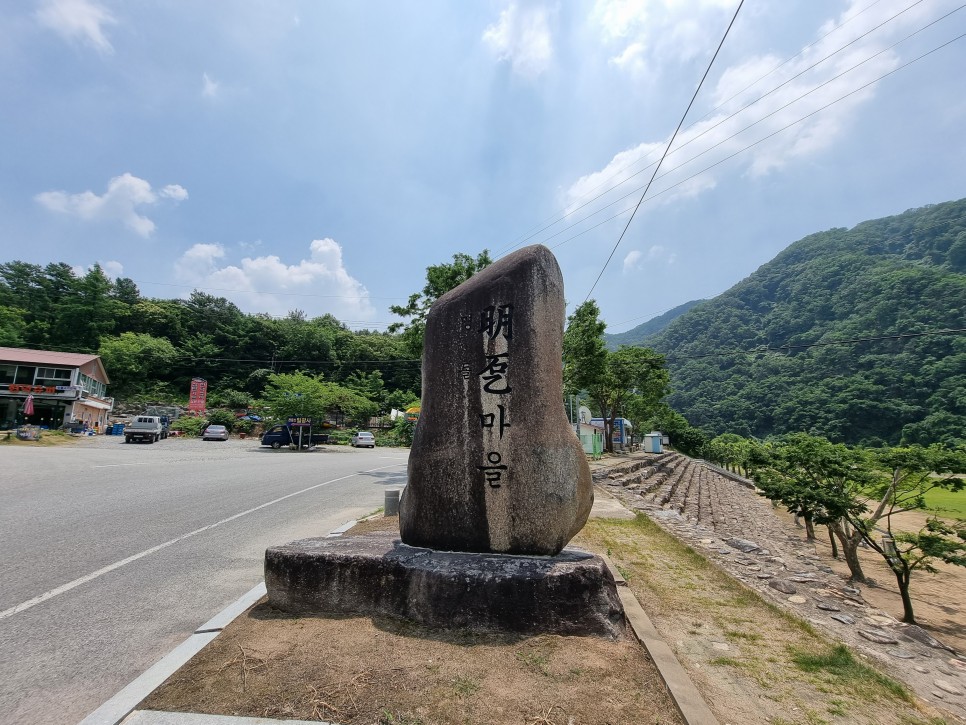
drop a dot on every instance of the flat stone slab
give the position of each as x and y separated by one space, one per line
572 593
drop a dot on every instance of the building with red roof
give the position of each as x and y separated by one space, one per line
67 387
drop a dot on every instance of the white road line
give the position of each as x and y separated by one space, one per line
23 606
116 465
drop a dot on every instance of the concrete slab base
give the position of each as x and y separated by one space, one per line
572 593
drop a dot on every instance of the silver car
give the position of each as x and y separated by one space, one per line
215 433
363 438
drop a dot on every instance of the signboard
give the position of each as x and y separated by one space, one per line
198 397
298 421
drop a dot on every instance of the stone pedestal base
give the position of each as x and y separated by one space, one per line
572 593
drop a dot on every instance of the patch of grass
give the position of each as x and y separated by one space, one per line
747 636
725 662
948 503
465 686
536 661
838 664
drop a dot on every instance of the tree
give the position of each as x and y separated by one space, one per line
299 394
136 361
915 471
822 482
632 378
440 279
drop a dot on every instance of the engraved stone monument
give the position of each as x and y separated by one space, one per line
495 465
498 482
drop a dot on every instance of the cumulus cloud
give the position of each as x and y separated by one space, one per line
112 268
657 31
209 87
78 20
636 260
522 37
764 124
125 194
318 285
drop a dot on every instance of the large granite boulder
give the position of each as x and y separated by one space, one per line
495 465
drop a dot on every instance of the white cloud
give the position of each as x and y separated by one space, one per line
668 30
81 20
522 36
120 202
774 132
209 87
112 268
633 262
317 285
636 261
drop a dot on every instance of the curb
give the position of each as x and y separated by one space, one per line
685 695
123 703
121 707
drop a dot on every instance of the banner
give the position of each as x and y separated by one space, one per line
198 397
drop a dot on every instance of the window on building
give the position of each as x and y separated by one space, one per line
53 376
25 374
94 387
7 373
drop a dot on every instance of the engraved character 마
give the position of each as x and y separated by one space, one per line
487 420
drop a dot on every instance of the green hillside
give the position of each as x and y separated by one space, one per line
639 334
739 362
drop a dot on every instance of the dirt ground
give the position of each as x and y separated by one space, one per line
938 600
362 671
754 656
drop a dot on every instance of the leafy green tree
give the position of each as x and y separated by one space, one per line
221 416
915 471
822 482
299 394
731 451
631 378
135 361
440 279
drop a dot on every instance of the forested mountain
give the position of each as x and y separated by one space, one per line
762 358
639 334
153 347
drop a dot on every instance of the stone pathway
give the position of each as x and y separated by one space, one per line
722 515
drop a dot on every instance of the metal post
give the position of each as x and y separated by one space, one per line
391 502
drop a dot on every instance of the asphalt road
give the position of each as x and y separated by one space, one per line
112 554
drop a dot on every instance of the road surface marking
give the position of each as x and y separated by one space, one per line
115 465
24 606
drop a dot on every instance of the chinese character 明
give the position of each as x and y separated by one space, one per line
487 420
494 319
494 372
493 473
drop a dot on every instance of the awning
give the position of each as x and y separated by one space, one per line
97 405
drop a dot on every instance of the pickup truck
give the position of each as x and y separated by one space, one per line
281 435
144 428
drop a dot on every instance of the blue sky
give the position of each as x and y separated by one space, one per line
320 156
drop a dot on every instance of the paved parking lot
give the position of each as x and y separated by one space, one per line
113 553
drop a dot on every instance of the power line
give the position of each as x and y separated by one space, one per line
829 343
739 151
668 148
567 214
278 294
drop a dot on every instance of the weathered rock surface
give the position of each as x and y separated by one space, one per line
495 465
375 574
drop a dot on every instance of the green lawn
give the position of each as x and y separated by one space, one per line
949 503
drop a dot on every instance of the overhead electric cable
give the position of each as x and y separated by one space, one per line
564 215
736 153
668 148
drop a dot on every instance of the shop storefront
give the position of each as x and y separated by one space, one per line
63 387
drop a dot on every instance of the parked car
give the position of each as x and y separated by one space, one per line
215 433
281 435
363 438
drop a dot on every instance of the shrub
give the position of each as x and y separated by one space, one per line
190 426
